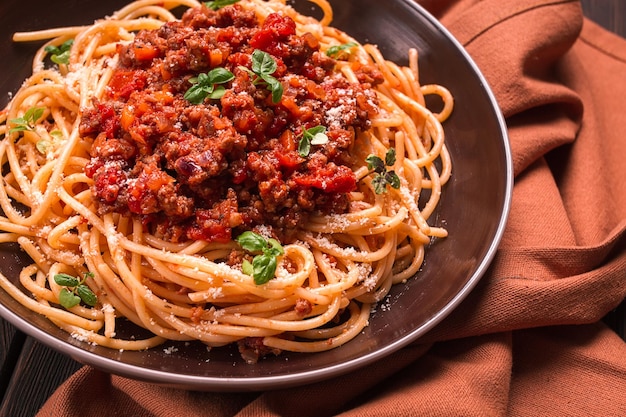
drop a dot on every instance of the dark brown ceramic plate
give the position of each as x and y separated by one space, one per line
474 207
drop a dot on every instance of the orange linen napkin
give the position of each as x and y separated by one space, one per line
528 341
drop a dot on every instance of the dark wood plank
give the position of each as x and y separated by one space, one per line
609 14
11 341
37 374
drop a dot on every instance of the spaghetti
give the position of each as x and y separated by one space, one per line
169 197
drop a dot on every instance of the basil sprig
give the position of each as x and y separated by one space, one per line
74 291
264 263
313 136
60 54
383 176
339 51
27 121
263 66
208 85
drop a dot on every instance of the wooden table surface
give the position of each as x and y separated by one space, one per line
30 371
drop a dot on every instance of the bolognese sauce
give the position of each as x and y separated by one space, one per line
211 170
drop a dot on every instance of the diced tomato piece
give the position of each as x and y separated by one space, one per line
330 178
276 28
124 82
289 159
145 52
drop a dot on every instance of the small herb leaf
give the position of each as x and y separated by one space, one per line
206 85
390 157
247 268
66 280
275 248
42 146
375 163
74 291
383 177
27 122
313 136
304 147
263 266
263 66
68 299
338 51
218 4
220 75
263 63
217 93
252 242
85 294
275 87
392 179
60 54
379 184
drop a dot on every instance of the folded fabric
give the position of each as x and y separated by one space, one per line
529 340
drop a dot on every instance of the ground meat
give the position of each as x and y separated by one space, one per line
228 164
303 307
252 349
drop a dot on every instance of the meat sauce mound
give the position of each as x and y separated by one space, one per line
212 170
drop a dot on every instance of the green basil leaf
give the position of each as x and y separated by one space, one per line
383 177
203 79
273 252
27 122
313 136
304 146
393 179
217 93
247 268
263 63
314 131
18 128
33 114
375 163
319 139
380 184
57 134
264 268
66 280
219 76
52 49
68 299
275 246
390 157
204 85
218 4
252 242
60 54
62 58
85 294
18 121
274 86
196 94
337 51
42 146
